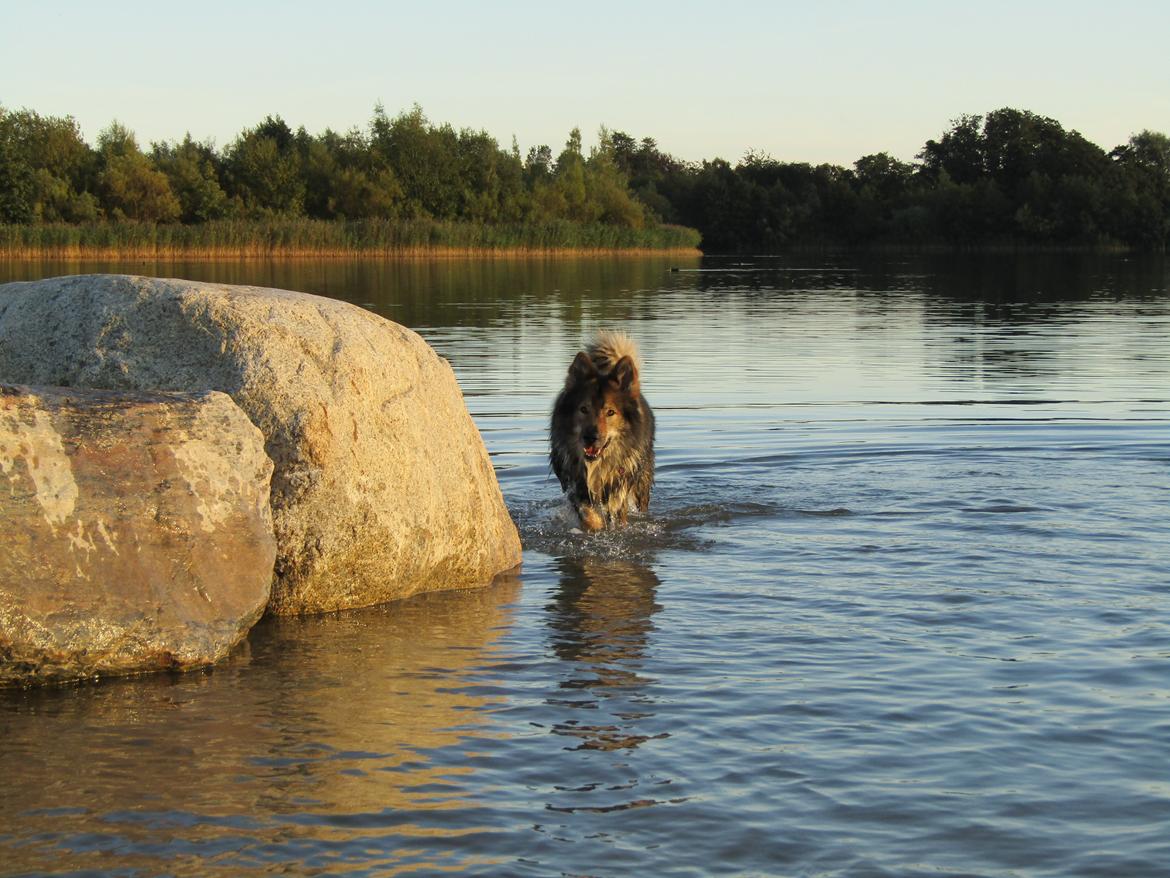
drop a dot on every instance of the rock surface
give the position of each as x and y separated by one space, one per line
136 531
382 487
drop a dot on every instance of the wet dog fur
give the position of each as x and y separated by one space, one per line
601 434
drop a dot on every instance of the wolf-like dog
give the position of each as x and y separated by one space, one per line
601 434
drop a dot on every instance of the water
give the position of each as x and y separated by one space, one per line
899 608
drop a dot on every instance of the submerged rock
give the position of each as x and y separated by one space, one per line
136 531
382 488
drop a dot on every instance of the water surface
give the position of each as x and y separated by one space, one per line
899 607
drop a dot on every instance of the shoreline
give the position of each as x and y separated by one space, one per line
322 239
421 253
205 254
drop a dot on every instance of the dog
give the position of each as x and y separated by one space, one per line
601 434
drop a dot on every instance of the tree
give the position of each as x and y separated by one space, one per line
608 187
538 165
659 181
719 204
49 168
423 158
344 180
959 153
17 187
262 170
193 172
881 177
131 187
1139 203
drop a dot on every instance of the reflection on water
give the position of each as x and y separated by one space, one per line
313 741
599 621
900 605
419 293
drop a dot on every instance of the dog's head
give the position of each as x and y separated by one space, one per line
605 403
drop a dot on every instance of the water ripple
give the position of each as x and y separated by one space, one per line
899 608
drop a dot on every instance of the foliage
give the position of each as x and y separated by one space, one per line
130 185
1140 200
263 171
47 171
192 170
1009 177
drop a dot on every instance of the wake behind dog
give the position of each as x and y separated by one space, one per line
601 434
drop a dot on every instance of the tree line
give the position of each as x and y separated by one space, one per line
1009 177
398 168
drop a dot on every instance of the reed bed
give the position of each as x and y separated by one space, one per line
307 237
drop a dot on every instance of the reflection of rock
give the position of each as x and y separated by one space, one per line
326 734
382 487
137 533
600 621
402 667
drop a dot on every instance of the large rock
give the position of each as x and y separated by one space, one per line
382 487
136 531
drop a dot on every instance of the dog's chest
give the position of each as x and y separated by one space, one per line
610 482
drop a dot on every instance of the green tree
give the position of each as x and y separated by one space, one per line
566 194
344 179
18 200
1139 198
882 177
608 187
130 186
959 153
424 160
49 169
262 171
658 180
193 172
538 165
719 203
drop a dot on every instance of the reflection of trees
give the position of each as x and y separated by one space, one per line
600 620
1013 287
1010 317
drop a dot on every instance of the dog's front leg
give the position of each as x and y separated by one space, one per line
591 519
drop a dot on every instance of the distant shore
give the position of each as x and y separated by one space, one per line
302 238
114 254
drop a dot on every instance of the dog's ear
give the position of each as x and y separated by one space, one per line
581 369
625 375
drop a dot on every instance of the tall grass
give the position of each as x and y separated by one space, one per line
307 237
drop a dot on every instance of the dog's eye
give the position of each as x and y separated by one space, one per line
584 409
609 413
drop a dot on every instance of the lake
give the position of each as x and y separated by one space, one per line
901 605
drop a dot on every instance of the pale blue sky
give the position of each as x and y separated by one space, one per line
829 81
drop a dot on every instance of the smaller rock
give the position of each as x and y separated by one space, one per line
135 531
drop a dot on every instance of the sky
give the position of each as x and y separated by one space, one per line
817 82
